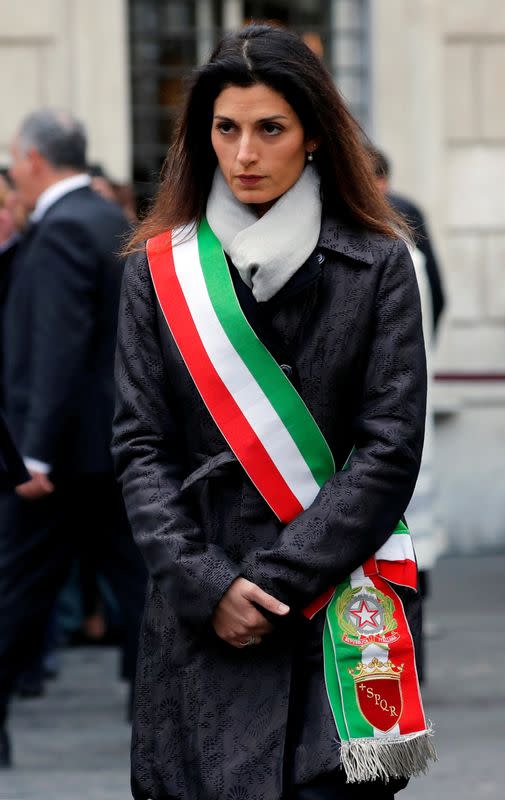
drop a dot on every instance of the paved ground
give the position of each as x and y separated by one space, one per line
465 693
73 744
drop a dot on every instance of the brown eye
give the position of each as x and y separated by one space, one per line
271 128
225 127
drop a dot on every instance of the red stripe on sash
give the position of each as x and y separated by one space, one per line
403 572
402 652
313 608
224 410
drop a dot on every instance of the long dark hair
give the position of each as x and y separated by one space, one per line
279 59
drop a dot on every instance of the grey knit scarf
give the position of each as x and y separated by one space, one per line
267 250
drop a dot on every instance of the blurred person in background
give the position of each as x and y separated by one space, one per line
12 222
271 322
13 216
421 512
417 223
120 193
13 219
12 473
60 322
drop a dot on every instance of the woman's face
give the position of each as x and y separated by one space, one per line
259 142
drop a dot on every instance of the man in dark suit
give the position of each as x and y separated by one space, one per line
9 238
12 473
415 219
60 326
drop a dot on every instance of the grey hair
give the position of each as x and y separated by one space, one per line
57 136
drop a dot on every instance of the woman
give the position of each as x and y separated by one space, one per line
243 379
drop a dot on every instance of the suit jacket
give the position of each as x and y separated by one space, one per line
6 258
59 334
415 219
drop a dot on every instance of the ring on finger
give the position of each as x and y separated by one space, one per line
250 641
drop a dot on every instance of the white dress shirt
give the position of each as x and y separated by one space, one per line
57 190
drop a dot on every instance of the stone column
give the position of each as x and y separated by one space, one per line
407 92
204 30
233 15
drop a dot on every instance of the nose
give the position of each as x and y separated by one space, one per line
246 154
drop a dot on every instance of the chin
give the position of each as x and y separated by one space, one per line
250 197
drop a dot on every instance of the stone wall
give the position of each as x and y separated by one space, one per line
439 111
70 54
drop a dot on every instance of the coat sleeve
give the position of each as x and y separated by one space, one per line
147 451
357 509
63 321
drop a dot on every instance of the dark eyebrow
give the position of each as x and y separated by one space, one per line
263 120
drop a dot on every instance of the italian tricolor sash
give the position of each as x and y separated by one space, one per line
369 660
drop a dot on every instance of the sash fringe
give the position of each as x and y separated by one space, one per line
372 759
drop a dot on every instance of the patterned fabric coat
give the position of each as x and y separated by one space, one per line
211 721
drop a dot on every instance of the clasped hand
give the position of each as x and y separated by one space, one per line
237 620
37 487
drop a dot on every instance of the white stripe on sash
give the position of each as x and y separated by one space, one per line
381 652
398 547
248 395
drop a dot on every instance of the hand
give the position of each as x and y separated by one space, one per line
236 620
39 486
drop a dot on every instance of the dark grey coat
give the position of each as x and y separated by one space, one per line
211 721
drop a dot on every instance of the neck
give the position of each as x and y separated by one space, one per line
261 208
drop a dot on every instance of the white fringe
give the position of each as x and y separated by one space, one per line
401 757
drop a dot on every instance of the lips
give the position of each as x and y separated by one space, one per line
249 180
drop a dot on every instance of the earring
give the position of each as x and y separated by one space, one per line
310 156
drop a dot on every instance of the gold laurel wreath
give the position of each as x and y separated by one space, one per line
346 598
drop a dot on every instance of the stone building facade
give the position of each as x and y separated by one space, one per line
439 109
69 54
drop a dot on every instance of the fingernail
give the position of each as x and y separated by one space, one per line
283 608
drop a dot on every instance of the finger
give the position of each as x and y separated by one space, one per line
244 632
26 491
46 484
250 641
257 630
263 629
266 600
256 623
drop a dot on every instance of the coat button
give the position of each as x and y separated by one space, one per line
287 370
320 258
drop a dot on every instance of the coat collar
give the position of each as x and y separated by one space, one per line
342 238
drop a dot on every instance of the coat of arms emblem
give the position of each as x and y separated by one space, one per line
366 617
379 693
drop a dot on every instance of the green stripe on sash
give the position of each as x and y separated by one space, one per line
346 657
332 685
266 372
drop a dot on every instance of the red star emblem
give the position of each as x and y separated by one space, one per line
365 615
